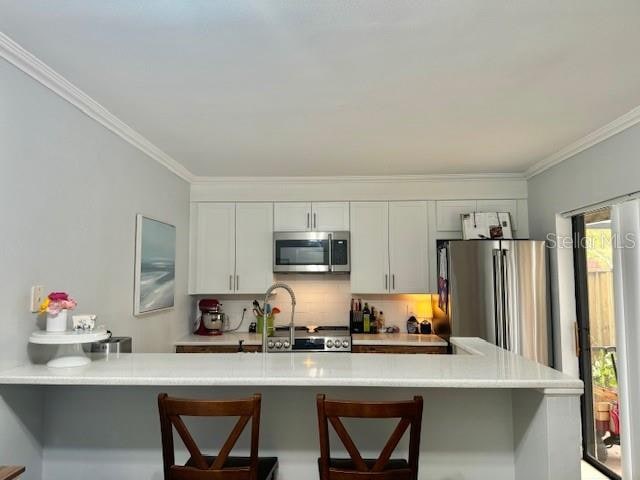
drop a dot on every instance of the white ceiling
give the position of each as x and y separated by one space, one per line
345 87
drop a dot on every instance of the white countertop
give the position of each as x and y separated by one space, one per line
399 340
483 366
231 338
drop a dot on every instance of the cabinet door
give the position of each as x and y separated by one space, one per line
254 247
408 247
522 224
213 247
292 216
510 206
369 247
330 216
449 211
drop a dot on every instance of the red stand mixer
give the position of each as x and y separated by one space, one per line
212 318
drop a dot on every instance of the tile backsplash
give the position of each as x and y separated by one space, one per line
322 300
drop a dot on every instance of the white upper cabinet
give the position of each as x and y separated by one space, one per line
305 216
370 247
330 216
510 206
449 214
389 247
292 217
408 247
231 247
212 253
254 247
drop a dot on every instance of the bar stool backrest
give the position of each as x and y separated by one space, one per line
171 411
410 415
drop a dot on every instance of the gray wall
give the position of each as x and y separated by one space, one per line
69 193
607 170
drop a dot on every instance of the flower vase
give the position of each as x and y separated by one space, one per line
57 322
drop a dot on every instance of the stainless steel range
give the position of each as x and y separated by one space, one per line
322 339
309 339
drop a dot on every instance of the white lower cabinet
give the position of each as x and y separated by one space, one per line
389 247
231 248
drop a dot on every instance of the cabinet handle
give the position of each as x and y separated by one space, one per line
314 221
393 281
308 222
231 282
237 282
386 281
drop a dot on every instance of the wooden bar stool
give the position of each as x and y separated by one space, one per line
9 472
222 466
357 468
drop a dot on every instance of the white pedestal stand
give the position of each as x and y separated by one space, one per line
70 352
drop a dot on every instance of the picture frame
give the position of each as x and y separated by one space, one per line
155 260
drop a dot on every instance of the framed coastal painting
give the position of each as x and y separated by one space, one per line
155 266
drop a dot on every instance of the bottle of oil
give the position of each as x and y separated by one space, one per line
366 318
373 321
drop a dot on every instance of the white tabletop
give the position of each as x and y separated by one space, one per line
483 366
68 337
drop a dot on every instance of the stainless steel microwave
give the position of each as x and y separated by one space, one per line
311 252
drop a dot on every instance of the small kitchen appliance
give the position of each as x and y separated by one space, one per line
311 252
212 318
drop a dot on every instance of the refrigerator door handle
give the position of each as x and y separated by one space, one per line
498 296
506 300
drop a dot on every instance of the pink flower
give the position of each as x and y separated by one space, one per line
59 301
58 296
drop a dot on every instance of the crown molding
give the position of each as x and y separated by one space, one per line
620 124
41 72
202 180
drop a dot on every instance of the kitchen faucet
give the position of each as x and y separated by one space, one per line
264 319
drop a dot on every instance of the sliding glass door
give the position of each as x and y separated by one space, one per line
593 258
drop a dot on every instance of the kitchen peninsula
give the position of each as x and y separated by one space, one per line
488 413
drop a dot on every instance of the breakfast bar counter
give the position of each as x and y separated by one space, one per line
476 364
488 413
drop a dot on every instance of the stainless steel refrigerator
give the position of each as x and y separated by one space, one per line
497 290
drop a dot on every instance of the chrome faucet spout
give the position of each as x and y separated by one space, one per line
270 290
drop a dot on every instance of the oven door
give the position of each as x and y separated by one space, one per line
301 252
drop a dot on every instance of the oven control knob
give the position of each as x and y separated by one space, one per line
278 344
270 344
286 344
345 343
329 343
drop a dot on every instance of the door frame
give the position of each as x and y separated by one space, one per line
584 343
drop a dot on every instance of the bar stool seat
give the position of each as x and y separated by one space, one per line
267 466
346 464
